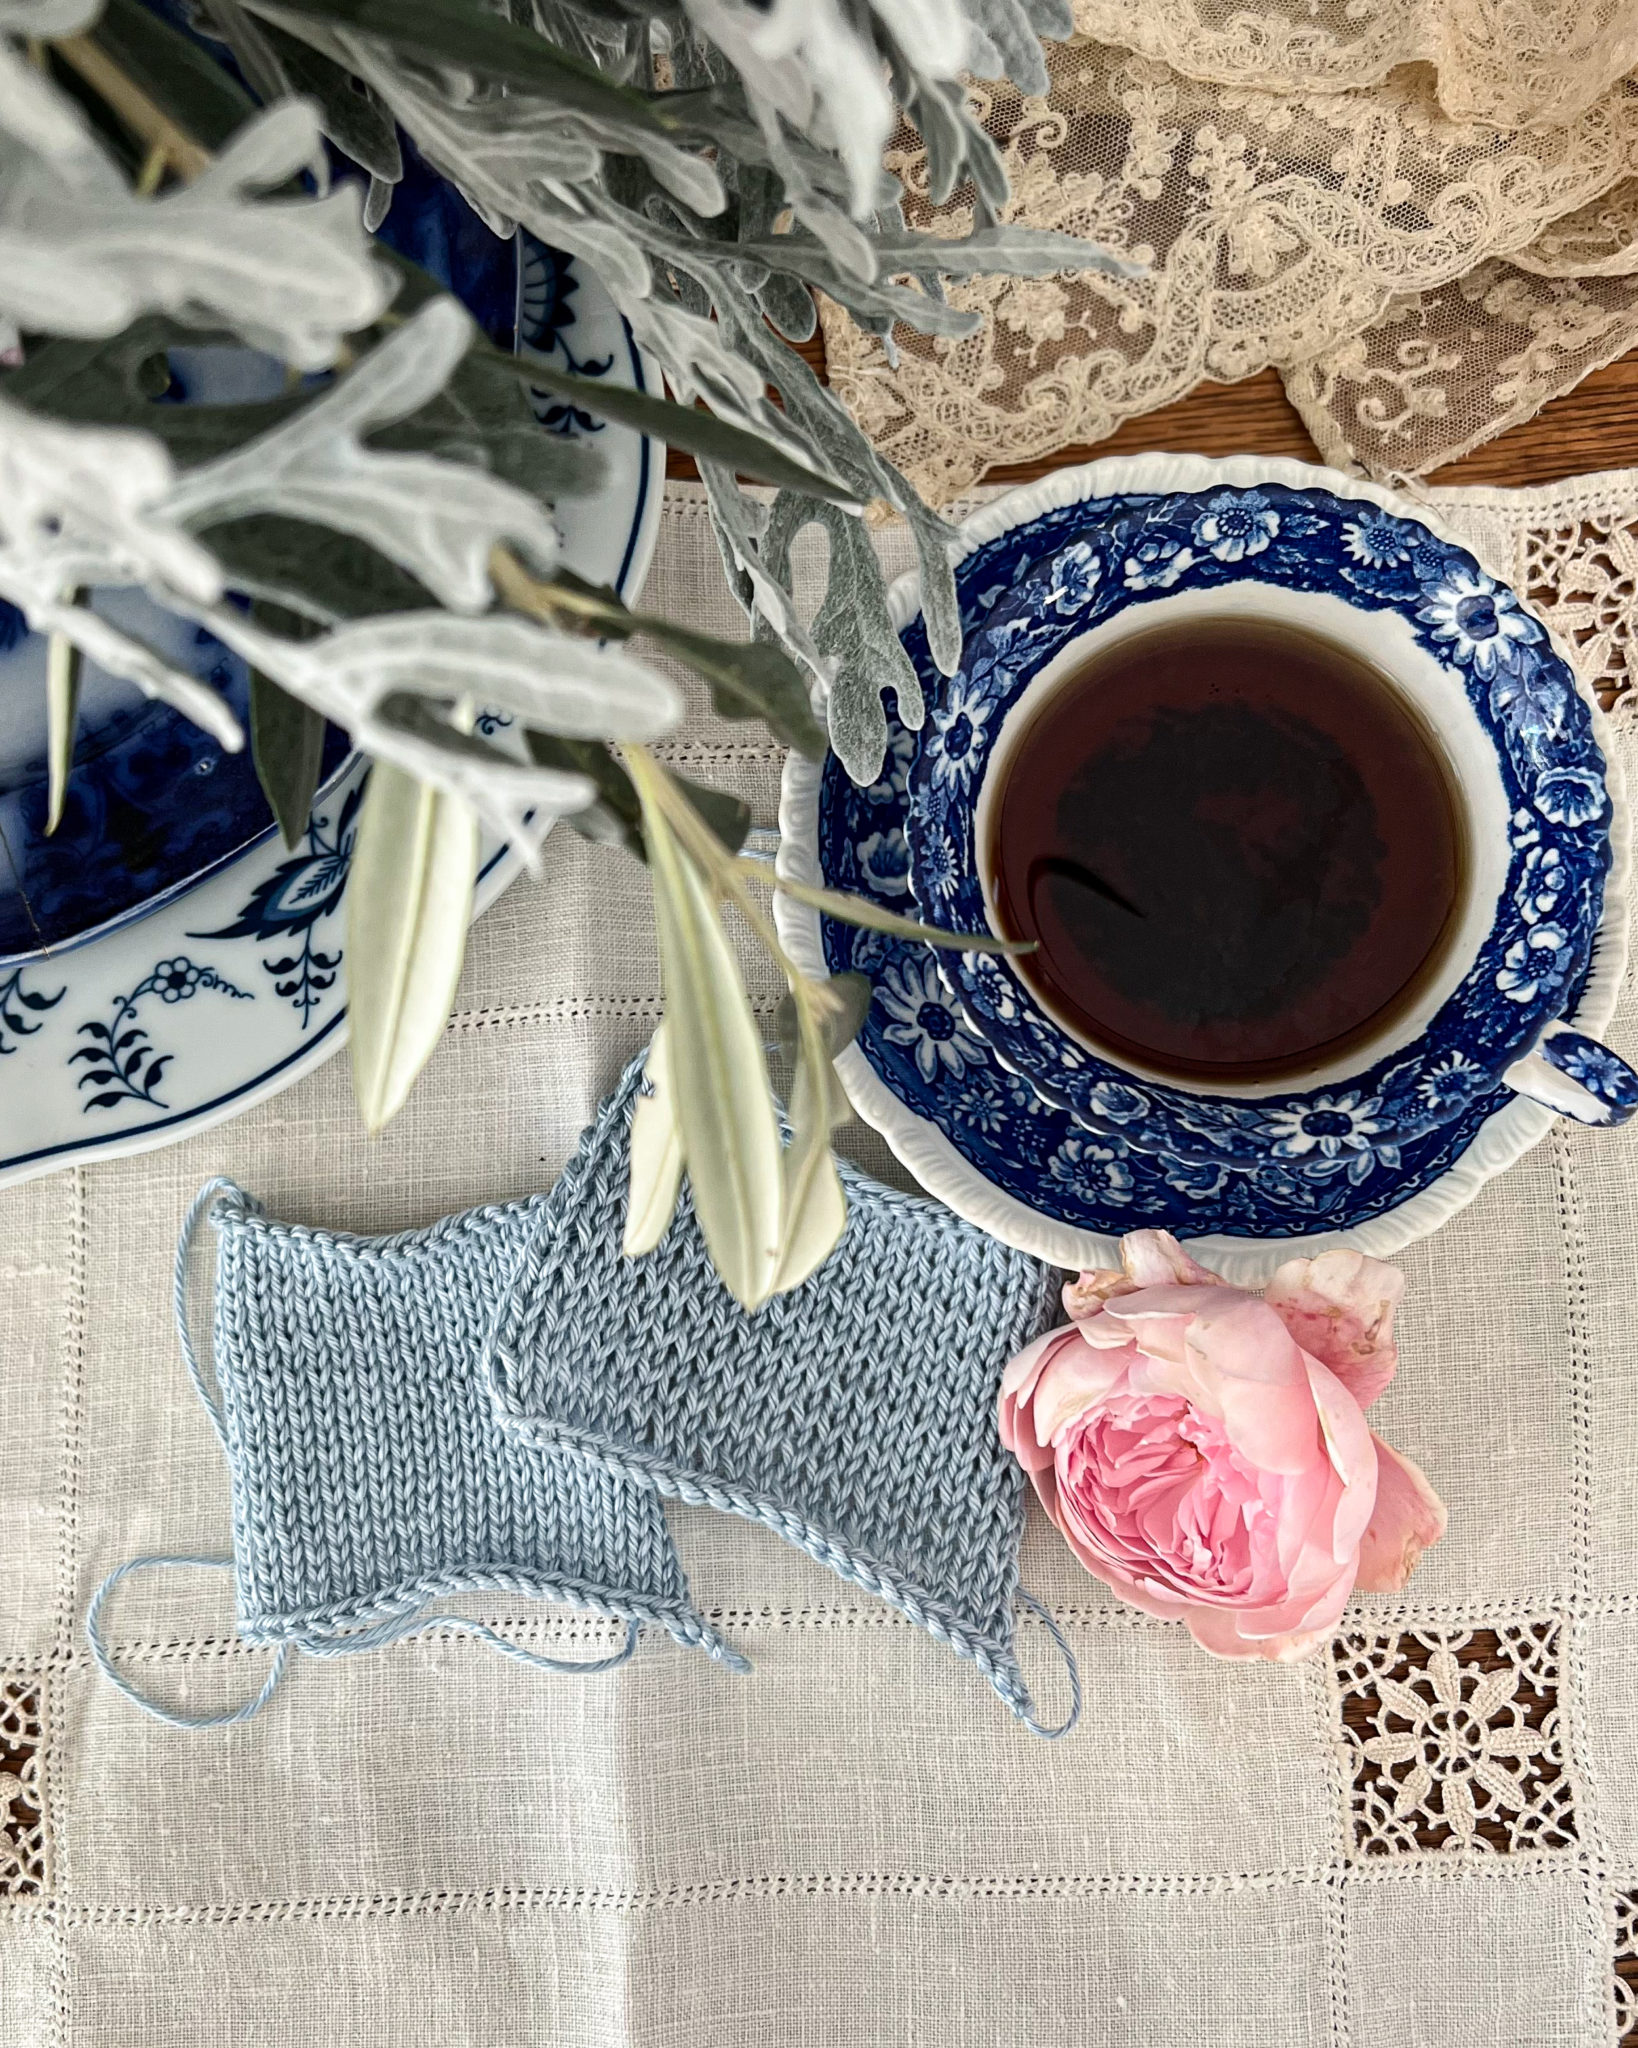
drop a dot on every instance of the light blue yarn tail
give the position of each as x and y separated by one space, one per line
1029 1720
396 1631
228 1192
407 1627
157 1708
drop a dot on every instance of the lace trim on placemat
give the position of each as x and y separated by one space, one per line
1454 1741
1581 574
22 1798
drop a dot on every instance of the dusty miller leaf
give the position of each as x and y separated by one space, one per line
293 275
852 627
439 521
545 679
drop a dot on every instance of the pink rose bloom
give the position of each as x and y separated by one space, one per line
1205 1451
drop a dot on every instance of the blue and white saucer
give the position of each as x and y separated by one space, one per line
976 1133
230 987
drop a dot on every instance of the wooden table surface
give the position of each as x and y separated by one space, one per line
1595 426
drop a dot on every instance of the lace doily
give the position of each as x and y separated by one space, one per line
1515 63
1423 278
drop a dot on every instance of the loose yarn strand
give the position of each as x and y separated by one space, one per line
171 1716
202 1202
1029 1720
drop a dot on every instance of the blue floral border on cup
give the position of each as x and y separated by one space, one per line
920 1045
1552 769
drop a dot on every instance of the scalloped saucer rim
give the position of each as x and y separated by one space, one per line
925 1149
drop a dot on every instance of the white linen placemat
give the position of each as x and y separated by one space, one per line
856 1845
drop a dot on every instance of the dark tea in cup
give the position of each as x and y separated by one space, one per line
1239 848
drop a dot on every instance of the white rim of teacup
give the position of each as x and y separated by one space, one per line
931 1157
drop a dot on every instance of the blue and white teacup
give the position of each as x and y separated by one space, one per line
1545 823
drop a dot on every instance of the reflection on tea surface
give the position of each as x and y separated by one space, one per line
1238 845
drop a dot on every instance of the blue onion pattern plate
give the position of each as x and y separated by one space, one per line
979 1135
1524 696
228 993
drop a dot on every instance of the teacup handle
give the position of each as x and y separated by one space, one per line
1572 1073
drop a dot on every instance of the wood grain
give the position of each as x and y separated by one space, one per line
1595 426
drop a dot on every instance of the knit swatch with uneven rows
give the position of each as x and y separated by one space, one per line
855 1416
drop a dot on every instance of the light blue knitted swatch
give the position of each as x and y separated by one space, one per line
496 1404
855 1416
370 1475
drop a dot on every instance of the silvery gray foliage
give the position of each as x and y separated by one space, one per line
81 254
387 680
436 519
782 108
847 629
88 505
81 506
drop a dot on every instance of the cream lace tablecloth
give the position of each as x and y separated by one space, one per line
1423 212
1427 1839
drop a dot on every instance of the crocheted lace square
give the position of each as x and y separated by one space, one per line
854 1416
370 1476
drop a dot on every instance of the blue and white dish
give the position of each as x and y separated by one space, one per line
982 1137
153 804
228 992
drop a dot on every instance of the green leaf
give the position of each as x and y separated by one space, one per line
287 746
725 1113
842 1002
409 901
747 679
860 911
200 96
457 32
616 817
679 426
311 570
656 1155
63 666
813 1207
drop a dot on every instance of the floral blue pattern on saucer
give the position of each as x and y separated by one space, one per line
1523 695
1334 1164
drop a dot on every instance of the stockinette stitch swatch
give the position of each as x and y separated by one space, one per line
855 1415
496 1404
370 1476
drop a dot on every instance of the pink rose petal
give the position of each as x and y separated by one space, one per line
1339 1307
1074 1379
1086 1294
1206 1460
1408 1516
1261 1381
1153 1257
1018 1383
1352 1450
